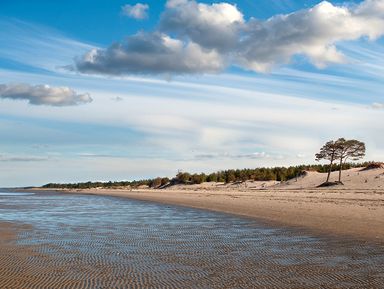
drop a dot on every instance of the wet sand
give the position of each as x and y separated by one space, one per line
82 241
357 214
7 232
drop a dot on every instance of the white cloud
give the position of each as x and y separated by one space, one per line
137 11
43 94
377 105
175 3
210 38
214 26
117 98
313 32
371 7
153 53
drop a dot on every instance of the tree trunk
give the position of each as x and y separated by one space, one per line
341 166
330 170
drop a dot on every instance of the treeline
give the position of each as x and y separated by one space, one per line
226 176
258 174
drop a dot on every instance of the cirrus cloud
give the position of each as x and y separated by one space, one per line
209 38
43 94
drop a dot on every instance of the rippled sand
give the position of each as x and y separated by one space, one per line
76 241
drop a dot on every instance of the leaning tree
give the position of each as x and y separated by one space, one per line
328 152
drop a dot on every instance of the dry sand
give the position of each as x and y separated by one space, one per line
354 210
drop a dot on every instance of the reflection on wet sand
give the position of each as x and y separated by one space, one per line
76 241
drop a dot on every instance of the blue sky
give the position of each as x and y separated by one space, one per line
95 90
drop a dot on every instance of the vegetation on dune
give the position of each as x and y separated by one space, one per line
225 176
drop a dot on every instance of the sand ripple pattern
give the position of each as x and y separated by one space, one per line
104 242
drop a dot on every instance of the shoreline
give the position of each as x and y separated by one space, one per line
337 213
353 210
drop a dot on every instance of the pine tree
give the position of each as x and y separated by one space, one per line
349 149
341 150
329 152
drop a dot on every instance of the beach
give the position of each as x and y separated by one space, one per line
56 240
354 210
211 235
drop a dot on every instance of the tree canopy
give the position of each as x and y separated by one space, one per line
342 150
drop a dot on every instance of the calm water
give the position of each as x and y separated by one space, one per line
83 241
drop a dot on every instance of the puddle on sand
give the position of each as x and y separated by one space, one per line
104 242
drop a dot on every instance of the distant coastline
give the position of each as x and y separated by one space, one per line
264 174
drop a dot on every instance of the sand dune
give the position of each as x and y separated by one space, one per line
356 178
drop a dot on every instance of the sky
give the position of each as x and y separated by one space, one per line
97 90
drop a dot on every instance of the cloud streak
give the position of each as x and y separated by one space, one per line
43 94
377 105
209 38
37 46
256 155
22 159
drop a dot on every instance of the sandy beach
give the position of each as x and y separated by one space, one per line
56 240
355 209
295 236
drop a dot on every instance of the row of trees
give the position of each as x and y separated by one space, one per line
241 175
340 151
225 176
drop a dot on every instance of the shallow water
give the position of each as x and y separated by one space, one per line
84 241
15 194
